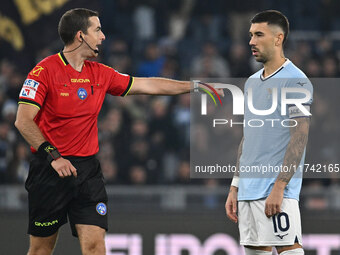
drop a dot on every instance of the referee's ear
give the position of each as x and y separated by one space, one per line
79 36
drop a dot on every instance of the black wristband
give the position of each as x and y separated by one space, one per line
48 151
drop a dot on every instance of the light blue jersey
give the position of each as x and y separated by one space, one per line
266 136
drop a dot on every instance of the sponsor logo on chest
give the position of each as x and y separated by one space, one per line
80 80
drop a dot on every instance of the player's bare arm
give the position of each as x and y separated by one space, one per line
32 134
162 86
296 146
231 203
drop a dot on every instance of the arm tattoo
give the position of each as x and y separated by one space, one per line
295 149
239 153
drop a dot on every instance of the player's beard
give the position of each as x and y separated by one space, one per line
266 55
262 58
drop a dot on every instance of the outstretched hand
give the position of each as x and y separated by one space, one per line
219 91
211 87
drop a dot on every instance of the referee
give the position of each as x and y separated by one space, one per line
57 115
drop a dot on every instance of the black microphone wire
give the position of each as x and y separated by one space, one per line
74 48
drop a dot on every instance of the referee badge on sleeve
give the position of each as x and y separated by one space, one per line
101 208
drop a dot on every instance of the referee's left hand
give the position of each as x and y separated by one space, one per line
218 90
64 167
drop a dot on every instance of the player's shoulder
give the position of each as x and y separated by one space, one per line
254 78
297 78
292 71
257 74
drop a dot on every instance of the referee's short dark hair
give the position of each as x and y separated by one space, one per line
273 17
72 21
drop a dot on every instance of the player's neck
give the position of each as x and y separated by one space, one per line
75 59
272 65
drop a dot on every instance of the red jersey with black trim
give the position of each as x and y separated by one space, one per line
70 101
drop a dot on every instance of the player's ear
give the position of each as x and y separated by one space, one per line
279 39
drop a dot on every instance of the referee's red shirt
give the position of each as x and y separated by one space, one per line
70 101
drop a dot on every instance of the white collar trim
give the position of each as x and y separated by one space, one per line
278 70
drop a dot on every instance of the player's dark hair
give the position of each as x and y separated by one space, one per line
72 21
273 17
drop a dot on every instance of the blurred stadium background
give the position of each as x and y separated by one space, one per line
155 208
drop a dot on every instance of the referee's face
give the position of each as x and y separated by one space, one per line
95 35
262 41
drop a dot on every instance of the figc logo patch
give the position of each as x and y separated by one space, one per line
82 93
101 208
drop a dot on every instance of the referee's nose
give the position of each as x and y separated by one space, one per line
102 38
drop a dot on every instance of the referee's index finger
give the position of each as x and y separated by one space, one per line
73 170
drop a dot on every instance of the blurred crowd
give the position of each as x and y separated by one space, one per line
145 140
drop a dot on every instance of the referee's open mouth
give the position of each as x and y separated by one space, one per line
98 47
